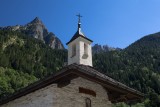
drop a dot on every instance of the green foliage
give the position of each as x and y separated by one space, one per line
12 80
24 60
137 66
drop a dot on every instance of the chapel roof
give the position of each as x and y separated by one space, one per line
117 92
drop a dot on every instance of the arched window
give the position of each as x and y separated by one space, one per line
85 54
88 102
73 50
85 49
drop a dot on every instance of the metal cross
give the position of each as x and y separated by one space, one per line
79 18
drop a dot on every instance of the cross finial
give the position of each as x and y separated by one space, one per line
79 18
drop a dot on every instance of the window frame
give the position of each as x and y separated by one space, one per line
85 49
73 50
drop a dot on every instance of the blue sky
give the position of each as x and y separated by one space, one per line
117 23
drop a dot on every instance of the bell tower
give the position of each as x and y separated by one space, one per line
79 47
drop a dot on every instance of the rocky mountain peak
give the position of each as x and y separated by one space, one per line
105 48
36 20
37 29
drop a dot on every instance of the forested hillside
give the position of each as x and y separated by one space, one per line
24 59
138 66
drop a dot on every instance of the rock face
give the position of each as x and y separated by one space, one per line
37 29
105 48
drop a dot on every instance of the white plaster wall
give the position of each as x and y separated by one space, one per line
88 60
68 96
79 52
74 59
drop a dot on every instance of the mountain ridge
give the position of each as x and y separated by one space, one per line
37 29
103 48
137 66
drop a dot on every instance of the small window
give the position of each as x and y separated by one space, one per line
88 102
73 50
85 54
87 91
85 49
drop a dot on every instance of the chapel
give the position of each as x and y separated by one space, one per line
77 84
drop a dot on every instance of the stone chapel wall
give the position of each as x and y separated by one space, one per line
68 96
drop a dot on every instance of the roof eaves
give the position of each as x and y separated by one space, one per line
51 79
77 37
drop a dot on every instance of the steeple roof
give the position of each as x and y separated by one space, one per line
79 33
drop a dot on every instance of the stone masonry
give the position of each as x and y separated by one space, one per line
67 96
